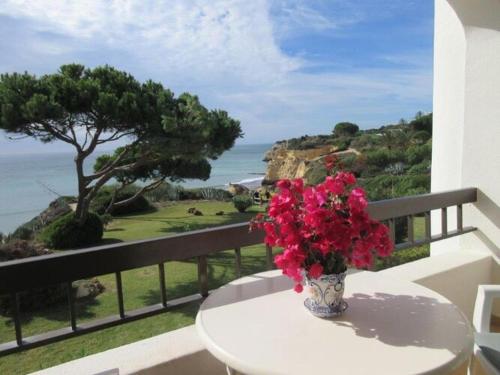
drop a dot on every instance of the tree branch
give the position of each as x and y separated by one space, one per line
140 192
114 137
93 143
58 134
110 166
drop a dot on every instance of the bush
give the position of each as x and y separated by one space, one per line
57 208
342 143
387 186
19 249
382 158
418 154
106 219
65 233
209 193
422 168
242 202
103 198
164 193
315 174
420 137
366 141
23 232
306 142
345 129
215 194
37 298
422 122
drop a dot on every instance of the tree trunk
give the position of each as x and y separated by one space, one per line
81 211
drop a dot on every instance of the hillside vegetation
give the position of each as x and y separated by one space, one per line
390 161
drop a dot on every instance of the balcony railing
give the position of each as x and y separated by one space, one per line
65 267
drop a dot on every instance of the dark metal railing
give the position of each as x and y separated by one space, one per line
64 268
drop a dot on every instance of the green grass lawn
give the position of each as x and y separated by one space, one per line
141 287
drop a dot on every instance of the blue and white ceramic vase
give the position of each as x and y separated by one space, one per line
325 295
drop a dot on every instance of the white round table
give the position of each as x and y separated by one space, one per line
258 325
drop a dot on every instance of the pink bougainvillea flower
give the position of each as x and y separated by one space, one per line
318 221
357 199
316 270
298 288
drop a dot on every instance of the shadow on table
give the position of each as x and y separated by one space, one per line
404 320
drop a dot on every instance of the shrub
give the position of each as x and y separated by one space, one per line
417 154
316 173
41 297
345 129
422 168
305 142
387 186
382 158
420 137
164 193
342 143
412 185
19 249
65 233
106 219
242 202
215 194
366 141
422 122
23 232
209 193
103 198
37 297
57 208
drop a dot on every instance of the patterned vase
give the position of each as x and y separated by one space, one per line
325 295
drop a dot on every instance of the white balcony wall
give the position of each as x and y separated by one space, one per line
466 134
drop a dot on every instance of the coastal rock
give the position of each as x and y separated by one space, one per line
285 163
87 288
237 189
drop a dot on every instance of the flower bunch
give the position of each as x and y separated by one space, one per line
323 228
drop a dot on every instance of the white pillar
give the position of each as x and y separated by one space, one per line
466 133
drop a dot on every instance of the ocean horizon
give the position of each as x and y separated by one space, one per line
30 181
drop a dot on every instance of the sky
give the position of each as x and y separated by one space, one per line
283 68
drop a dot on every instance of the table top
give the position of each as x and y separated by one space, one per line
258 325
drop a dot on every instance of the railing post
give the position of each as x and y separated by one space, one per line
17 320
411 233
163 286
269 257
428 234
71 303
203 275
392 230
237 265
119 292
444 221
460 222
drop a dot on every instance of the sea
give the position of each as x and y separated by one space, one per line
29 182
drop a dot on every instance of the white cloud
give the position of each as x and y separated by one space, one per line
226 51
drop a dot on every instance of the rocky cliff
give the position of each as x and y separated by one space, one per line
285 163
